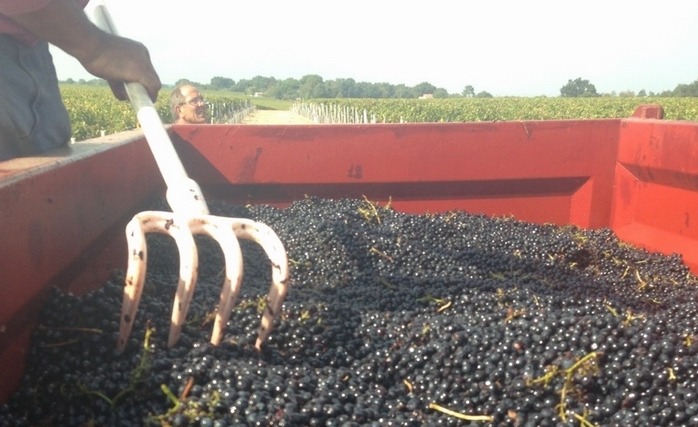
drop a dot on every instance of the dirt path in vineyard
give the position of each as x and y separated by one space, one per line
275 117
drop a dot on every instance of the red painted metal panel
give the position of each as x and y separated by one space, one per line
446 165
59 215
649 111
656 187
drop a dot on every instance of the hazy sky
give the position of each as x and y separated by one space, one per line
506 47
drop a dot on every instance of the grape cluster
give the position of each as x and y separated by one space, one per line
392 319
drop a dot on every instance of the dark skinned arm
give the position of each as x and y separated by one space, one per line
115 59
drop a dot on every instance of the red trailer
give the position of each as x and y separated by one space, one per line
63 214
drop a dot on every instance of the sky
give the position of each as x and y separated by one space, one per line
505 47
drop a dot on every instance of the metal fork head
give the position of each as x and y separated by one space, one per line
226 231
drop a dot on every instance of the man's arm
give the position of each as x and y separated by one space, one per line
116 59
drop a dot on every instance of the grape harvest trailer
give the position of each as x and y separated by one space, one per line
63 215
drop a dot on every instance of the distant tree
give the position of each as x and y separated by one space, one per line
288 89
367 90
272 92
93 82
626 94
346 88
385 90
424 87
642 93
262 83
440 93
221 83
241 85
332 88
311 80
687 89
311 86
70 81
469 91
183 82
578 88
402 91
319 91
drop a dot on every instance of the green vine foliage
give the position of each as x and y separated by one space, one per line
492 109
94 110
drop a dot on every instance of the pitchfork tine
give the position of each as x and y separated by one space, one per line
188 274
264 236
135 276
226 232
218 229
149 222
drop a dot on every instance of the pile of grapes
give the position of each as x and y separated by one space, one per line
392 319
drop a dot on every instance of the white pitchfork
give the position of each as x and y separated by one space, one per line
190 216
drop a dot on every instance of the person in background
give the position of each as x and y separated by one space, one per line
33 118
187 105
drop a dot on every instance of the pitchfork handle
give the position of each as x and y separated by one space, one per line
183 193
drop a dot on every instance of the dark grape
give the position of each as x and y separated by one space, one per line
387 315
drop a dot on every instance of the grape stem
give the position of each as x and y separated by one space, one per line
466 417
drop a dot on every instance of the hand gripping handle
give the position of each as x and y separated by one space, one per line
183 193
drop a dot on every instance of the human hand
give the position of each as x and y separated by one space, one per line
118 60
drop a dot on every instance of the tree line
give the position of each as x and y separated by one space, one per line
583 88
313 86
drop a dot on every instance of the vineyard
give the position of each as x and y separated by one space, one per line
94 110
486 109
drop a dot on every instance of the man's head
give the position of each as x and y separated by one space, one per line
187 105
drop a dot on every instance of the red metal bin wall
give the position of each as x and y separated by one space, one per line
656 187
558 172
60 223
62 218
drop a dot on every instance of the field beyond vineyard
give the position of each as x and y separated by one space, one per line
94 109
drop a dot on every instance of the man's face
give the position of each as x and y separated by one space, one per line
193 110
